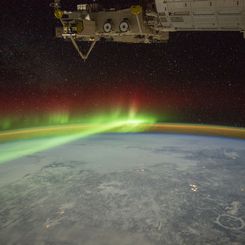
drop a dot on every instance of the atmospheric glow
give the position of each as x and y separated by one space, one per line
60 129
67 118
41 139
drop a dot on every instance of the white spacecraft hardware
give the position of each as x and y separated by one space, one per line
150 22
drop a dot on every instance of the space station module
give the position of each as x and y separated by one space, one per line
150 22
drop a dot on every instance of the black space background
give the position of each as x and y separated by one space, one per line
196 77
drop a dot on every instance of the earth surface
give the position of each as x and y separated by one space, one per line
126 189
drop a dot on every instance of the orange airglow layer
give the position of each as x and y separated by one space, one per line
55 131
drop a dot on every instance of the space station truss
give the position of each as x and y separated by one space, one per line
149 23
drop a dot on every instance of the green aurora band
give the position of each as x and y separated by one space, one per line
62 129
66 118
35 140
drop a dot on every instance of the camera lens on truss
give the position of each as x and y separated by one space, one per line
124 26
107 26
